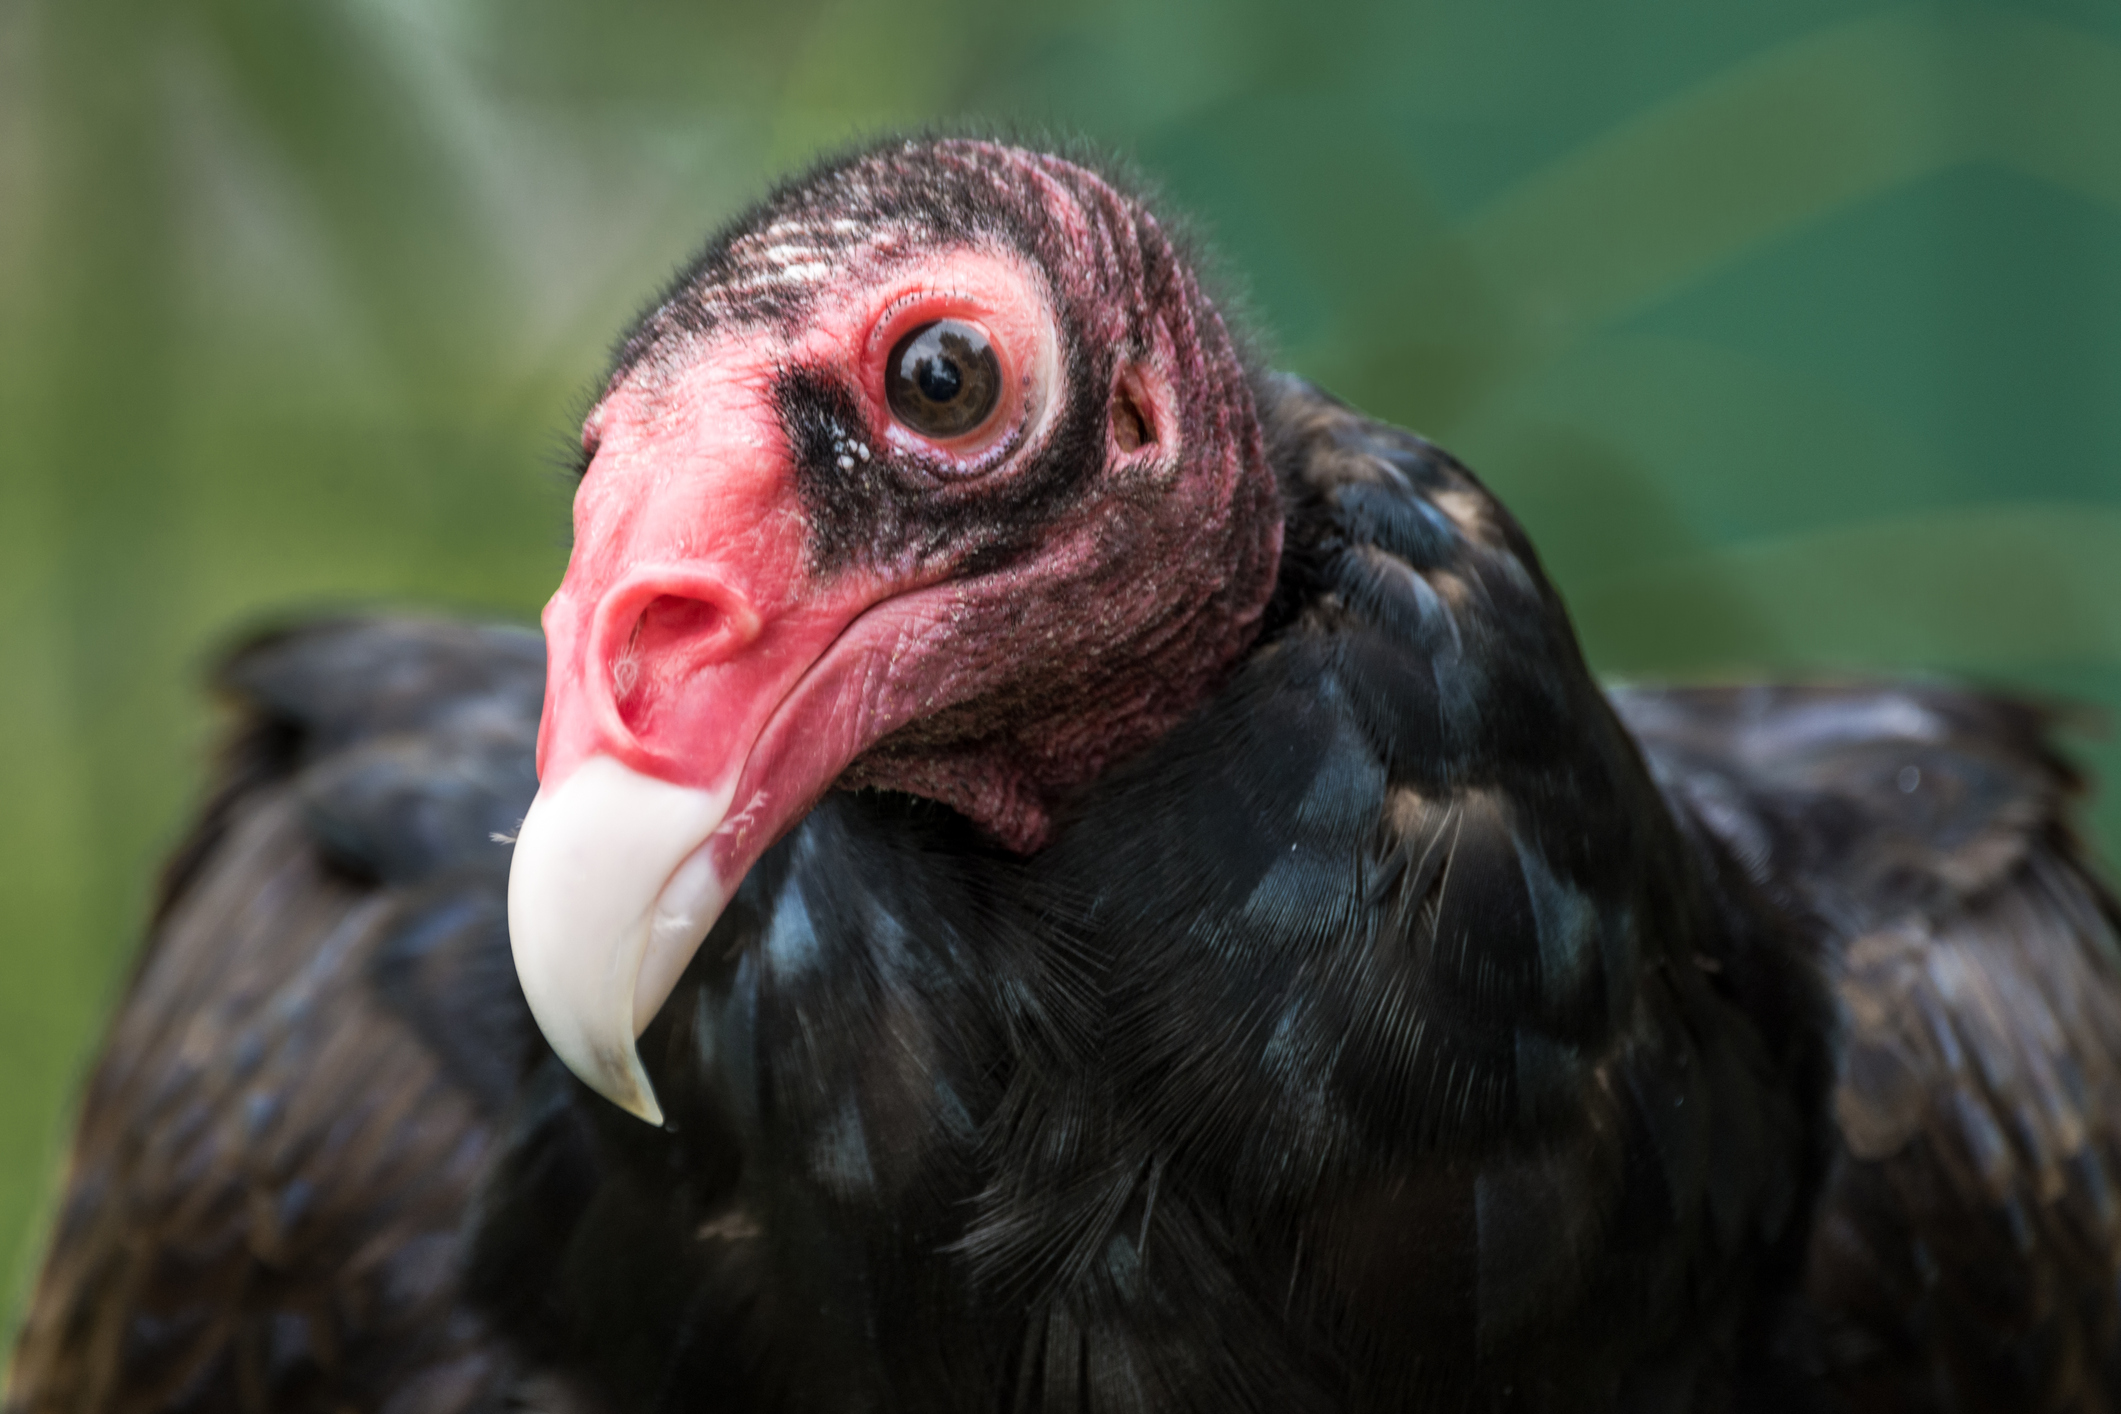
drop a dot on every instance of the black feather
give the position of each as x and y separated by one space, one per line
1412 1027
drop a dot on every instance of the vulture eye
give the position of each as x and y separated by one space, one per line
943 379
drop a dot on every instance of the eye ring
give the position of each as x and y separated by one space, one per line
944 379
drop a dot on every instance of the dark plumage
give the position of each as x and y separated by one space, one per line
299 1095
1409 1026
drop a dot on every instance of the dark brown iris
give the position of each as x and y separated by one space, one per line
943 379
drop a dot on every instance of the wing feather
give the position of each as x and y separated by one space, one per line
1967 1250
295 1101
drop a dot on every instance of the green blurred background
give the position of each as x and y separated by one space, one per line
1792 331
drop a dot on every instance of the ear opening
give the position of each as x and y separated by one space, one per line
1132 425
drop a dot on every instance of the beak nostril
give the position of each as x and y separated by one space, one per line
672 637
674 616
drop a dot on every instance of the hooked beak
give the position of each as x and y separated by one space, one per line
699 699
669 760
611 891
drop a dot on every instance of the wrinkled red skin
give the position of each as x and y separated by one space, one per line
697 639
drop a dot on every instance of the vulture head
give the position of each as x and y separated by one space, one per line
937 472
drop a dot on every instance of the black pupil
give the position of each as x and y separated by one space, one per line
943 379
939 378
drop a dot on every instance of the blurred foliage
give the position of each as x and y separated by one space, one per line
1793 332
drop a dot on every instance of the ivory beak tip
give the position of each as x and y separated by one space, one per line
609 895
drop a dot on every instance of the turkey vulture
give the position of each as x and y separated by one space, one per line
1248 963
